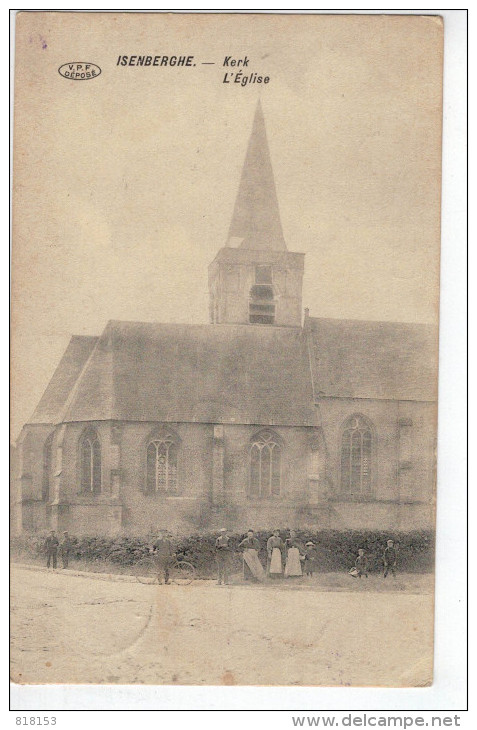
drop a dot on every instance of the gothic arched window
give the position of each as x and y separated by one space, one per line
161 468
90 457
265 465
356 444
47 463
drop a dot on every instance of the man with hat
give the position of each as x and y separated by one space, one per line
65 547
252 567
51 548
390 559
222 556
163 554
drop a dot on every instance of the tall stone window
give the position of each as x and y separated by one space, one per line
265 465
161 469
356 446
47 464
90 455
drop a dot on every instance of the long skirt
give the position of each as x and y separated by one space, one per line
293 564
252 565
276 562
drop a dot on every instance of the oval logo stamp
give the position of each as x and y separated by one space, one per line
79 70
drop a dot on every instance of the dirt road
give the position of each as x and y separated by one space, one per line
69 629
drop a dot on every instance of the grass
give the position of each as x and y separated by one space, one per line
323 582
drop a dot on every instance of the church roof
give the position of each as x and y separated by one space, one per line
256 218
50 407
241 374
365 359
196 373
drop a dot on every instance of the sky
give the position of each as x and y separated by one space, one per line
124 185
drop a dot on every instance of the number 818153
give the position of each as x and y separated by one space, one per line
34 720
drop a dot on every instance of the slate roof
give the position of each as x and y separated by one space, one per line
363 359
240 374
50 407
196 373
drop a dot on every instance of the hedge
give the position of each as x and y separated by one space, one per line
336 550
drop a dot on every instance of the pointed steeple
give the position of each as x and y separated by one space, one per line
256 218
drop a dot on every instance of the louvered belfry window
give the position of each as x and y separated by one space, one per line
162 464
90 462
356 445
261 303
265 465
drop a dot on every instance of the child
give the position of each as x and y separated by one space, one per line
310 558
361 564
389 559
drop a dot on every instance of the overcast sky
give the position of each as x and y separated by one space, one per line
124 185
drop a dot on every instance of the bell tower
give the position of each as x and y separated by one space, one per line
254 279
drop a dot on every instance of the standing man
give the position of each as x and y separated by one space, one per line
51 547
65 547
389 559
252 567
163 554
222 556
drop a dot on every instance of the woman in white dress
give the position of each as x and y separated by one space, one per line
294 549
275 550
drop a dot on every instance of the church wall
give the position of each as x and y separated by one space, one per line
28 506
418 444
197 505
70 485
179 513
123 505
381 516
402 473
294 463
242 511
213 475
200 504
70 509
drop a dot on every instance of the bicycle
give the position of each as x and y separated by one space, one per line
149 572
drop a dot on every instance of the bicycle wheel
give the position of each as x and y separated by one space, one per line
146 571
182 573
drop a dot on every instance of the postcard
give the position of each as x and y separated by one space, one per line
225 291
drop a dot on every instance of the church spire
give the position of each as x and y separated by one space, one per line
256 218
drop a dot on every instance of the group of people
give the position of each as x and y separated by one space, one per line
285 558
288 558
361 565
53 546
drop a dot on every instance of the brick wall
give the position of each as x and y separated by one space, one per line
402 476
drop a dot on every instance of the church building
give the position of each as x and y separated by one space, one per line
265 417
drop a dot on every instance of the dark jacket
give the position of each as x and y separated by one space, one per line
390 556
222 544
65 545
250 543
310 554
163 548
51 542
289 543
361 563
